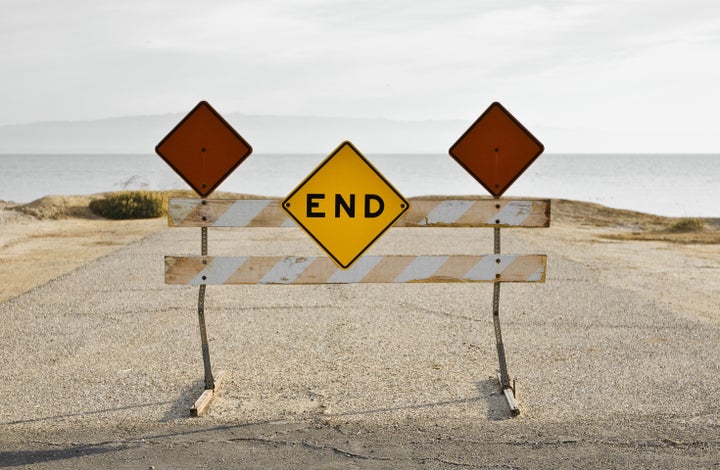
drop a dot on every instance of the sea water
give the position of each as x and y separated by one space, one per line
671 185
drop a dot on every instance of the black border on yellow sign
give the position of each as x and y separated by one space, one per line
405 203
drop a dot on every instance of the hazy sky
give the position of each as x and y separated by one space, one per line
582 75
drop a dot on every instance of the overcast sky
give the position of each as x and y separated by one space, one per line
583 75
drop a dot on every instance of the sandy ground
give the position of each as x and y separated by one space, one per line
616 356
32 251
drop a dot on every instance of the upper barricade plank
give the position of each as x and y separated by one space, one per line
423 212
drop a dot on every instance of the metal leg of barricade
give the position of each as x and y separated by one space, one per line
503 376
211 384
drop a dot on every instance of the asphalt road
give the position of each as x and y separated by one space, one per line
101 366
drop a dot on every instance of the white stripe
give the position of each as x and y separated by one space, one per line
422 267
219 270
241 213
286 270
356 272
514 213
447 212
488 267
537 275
180 209
288 223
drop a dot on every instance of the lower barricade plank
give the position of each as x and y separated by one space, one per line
196 270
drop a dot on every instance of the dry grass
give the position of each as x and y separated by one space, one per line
63 207
637 226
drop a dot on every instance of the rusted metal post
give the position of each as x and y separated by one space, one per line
209 381
503 376
504 379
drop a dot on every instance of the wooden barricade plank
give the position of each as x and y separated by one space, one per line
197 270
476 213
227 213
423 212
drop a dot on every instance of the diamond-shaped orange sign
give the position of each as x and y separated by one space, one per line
496 149
203 149
345 204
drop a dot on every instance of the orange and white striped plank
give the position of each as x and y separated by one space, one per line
197 270
476 213
422 213
227 213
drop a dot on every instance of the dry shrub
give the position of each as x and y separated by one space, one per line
129 205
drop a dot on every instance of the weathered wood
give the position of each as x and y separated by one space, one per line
512 404
202 404
227 213
423 212
197 270
476 213
509 398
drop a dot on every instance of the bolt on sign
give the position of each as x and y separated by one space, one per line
496 149
203 149
345 204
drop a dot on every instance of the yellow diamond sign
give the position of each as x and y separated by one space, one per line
345 204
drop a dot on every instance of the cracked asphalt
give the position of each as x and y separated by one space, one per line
101 366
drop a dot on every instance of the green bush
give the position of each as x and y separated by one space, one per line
129 205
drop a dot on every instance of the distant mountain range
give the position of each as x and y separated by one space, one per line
266 134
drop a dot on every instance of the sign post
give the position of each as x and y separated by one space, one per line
204 149
496 150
